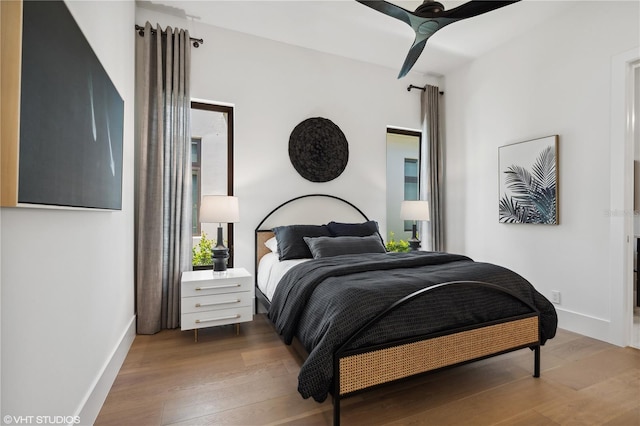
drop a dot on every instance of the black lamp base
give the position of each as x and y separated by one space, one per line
220 254
414 242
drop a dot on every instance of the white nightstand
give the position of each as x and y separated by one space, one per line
212 298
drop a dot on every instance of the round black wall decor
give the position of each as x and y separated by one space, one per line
318 149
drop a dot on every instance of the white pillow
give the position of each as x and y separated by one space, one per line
272 244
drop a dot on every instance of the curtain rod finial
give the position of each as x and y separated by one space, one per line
411 86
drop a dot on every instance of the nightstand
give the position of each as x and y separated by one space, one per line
210 299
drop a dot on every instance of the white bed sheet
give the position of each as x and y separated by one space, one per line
271 270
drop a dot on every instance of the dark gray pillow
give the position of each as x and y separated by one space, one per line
290 240
336 246
364 229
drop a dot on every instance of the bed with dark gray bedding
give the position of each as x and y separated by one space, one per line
370 318
324 301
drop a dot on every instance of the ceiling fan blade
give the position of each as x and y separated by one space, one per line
474 8
414 53
389 9
426 20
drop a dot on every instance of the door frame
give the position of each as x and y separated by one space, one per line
621 241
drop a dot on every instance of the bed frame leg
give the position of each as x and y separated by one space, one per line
536 362
336 411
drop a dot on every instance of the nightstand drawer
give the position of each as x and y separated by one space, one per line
230 284
218 317
216 302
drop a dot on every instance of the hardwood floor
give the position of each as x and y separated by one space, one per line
251 379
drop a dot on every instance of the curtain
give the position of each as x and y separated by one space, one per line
432 173
163 176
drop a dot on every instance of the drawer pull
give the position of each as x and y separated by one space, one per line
198 321
212 287
224 302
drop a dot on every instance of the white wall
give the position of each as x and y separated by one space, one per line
67 276
275 86
554 80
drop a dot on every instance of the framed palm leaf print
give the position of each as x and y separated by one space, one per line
529 181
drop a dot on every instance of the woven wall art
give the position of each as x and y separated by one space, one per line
318 149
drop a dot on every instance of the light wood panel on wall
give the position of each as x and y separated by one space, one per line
11 43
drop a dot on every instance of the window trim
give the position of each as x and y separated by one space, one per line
230 185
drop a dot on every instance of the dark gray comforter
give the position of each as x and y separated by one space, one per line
323 301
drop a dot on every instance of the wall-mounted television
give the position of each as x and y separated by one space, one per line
71 116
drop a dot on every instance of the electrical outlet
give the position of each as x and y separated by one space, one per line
555 297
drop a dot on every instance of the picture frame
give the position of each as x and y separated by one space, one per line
528 182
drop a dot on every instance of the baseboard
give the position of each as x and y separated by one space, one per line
597 328
90 408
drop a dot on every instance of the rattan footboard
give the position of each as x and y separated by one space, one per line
365 370
360 369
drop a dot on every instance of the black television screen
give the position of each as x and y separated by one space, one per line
71 116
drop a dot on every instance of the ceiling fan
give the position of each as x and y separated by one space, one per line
430 17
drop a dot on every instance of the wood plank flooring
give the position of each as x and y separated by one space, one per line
251 379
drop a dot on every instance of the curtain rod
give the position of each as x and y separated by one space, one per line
411 86
196 41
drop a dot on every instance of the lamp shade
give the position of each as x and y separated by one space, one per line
414 210
219 209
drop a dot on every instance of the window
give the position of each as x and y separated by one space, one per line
403 177
211 163
195 184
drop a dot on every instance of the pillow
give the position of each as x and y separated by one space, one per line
272 244
354 229
336 246
290 240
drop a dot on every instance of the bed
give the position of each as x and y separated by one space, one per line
364 317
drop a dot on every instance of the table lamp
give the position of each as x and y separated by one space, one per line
219 209
415 211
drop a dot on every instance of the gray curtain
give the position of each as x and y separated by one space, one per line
163 176
432 168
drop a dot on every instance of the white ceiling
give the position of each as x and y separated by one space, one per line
348 28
